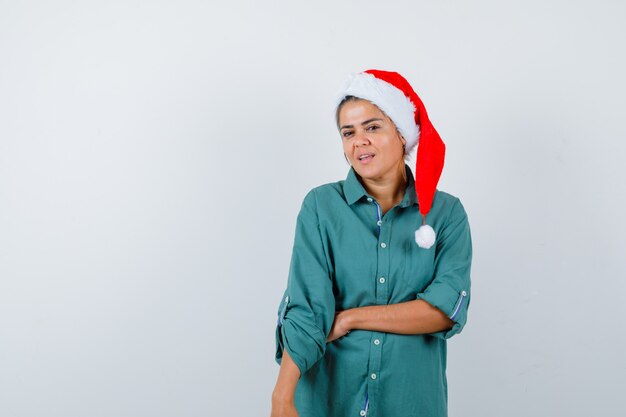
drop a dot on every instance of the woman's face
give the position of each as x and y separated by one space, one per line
371 141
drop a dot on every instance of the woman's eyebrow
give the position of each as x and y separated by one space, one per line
374 119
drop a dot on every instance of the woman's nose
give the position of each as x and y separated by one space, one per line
361 138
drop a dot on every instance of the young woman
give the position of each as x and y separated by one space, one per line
380 270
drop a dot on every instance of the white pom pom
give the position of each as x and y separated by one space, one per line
425 236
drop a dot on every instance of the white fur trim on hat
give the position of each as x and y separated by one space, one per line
386 97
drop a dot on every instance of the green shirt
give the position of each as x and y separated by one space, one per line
346 254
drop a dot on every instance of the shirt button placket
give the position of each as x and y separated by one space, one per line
382 291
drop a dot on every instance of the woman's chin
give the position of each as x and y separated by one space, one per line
370 173
375 173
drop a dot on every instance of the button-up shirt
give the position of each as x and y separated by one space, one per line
348 254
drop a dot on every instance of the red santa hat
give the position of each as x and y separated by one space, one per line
393 94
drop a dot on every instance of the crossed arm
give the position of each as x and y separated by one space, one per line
410 317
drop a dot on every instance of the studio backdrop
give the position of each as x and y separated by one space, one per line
154 156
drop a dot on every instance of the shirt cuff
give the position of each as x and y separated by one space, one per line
304 342
452 302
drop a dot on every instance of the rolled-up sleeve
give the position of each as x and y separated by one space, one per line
307 310
449 290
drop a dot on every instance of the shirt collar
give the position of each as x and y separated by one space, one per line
354 190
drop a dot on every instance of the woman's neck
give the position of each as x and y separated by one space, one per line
389 191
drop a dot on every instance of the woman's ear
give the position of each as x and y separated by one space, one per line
401 137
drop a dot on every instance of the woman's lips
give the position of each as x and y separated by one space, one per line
367 159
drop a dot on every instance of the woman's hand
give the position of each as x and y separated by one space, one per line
341 326
283 408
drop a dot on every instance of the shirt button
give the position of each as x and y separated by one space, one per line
362 412
381 280
379 222
376 342
373 376
463 293
383 245
369 199
287 299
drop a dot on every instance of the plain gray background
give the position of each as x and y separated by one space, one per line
154 156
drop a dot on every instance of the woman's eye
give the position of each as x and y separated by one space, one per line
346 134
373 127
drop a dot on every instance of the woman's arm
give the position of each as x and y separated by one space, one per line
283 394
307 308
410 317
